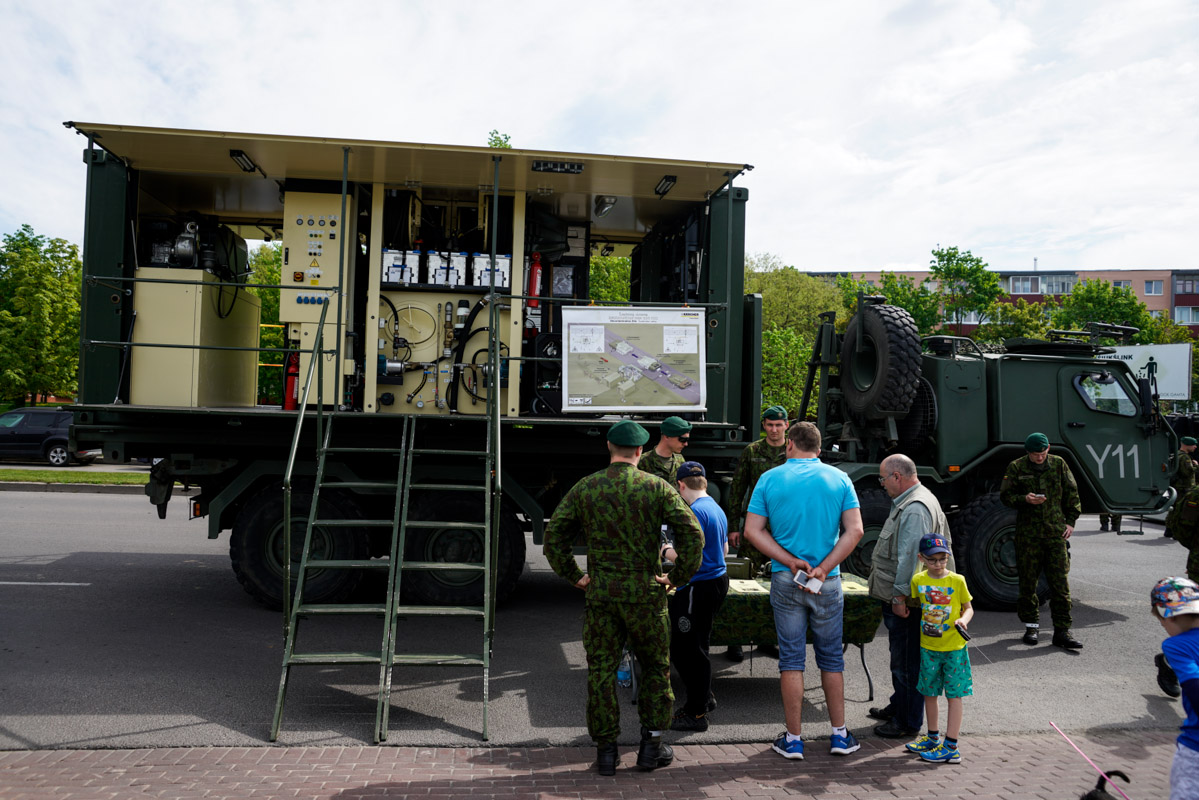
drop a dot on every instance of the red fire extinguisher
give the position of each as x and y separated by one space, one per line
535 281
291 386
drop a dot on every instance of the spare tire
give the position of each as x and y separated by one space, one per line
881 380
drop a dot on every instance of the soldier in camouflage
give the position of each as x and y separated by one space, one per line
1185 517
1042 490
755 460
667 456
1183 480
619 512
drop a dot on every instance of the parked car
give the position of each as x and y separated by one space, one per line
35 433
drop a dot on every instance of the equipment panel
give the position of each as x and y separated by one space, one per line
313 232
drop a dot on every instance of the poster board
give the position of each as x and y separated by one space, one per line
1173 367
623 360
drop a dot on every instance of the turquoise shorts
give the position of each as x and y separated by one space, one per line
945 671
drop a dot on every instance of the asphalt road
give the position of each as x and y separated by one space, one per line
121 630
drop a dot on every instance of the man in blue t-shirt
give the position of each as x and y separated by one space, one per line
815 523
694 605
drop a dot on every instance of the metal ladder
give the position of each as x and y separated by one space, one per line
393 610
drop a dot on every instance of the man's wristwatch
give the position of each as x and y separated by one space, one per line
900 600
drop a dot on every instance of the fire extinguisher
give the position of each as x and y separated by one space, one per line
535 281
291 384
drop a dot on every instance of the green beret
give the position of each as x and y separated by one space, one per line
675 426
1189 440
627 433
1036 442
775 412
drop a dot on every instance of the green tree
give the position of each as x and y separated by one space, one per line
790 299
964 282
611 278
785 353
499 140
1013 321
266 264
1100 301
39 315
918 299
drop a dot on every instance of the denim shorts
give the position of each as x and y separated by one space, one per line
795 610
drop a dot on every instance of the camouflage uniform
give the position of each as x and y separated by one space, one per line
1039 543
665 468
619 512
1183 481
755 460
1185 524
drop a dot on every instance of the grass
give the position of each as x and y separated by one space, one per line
67 475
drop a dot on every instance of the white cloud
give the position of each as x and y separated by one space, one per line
1062 130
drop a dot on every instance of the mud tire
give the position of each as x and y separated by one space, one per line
881 381
984 544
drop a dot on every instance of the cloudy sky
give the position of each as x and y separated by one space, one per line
1065 130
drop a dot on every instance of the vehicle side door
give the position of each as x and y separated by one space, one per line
10 425
32 433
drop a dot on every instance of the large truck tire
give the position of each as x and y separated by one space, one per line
984 543
881 380
459 587
875 507
256 547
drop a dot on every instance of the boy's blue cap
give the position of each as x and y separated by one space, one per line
1172 597
931 545
691 469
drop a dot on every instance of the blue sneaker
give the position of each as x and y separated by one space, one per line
943 754
792 750
844 745
923 744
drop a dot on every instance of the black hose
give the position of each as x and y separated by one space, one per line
460 354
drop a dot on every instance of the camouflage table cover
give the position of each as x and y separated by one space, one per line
746 616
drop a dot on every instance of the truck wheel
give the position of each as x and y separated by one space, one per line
881 380
876 506
984 543
452 588
256 546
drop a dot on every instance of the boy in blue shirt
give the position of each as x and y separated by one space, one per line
1176 607
945 612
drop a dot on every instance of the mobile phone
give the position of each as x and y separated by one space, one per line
961 631
811 584
1037 494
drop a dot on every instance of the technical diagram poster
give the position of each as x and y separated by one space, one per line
633 359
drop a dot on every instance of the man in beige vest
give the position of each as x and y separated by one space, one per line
915 512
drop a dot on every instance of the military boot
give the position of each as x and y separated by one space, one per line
1103 526
606 756
1062 638
1116 524
652 753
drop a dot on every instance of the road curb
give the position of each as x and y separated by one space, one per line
74 488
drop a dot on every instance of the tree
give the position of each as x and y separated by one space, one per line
919 300
266 264
785 355
39 315
790 299
1014 321
1100 301
611 278
499 140
964 282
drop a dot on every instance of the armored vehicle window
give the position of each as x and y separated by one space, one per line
1102 392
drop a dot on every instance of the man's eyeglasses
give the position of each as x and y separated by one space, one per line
882 479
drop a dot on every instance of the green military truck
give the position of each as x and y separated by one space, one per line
962 415
441 281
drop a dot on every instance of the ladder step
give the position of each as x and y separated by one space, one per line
389 450
440 611
334 658
354 523
359 485
440 452
442 565
431 659
347 608
325 563
448 487
432 523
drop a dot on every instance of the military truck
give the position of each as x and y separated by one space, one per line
439 278
962 415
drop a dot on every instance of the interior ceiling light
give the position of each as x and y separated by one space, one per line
245 162
608 249
665 185
604 203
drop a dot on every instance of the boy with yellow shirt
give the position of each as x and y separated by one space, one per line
945 611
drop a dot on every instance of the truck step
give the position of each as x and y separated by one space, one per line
443 565
354 523
345 609
448 487
439 611
438 659
388 450
432 523
388 485
328 563
440 452
299 659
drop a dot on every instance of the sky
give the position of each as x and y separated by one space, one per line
1064 130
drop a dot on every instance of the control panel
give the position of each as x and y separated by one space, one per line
313 235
